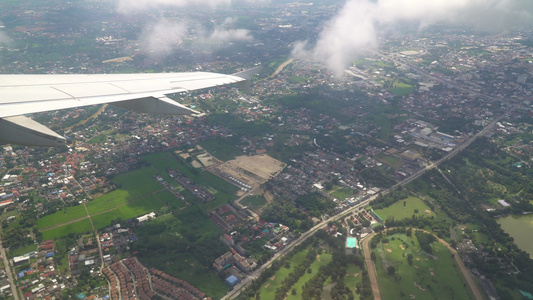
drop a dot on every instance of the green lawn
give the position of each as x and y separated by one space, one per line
325 258
135 208
77 227
390 161
342 193
402 89
353 277
132 185
22 250
268 290
399 211
254 202
62 216
433 276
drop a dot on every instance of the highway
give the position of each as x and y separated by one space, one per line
255 274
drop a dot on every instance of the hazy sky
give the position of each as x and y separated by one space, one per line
355 29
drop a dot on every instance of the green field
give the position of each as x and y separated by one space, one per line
22 250
135 208
402 89
353 277
62 216
342 193
138 193
390 161
434 276
325 258
254 202
399 211
76 227
132 185
269 288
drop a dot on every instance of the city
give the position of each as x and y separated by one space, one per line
405 175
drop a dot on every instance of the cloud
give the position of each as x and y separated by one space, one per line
5 40
358 26
221 34
161 38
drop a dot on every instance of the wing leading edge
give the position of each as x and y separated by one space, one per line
26 94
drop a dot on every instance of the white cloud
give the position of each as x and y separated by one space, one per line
221 34
359 24
4 38
161 38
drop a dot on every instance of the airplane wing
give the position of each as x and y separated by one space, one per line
144 92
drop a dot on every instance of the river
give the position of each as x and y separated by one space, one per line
521 229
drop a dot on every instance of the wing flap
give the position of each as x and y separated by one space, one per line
25 131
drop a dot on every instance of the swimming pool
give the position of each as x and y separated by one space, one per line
350 242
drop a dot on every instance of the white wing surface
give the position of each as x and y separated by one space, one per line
26 94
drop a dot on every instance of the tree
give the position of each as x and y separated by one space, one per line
391 270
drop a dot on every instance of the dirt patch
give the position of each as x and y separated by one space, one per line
402 247
273 277
412 296
419 286
318 257
427 211
267 285
431 271
389 250
416 267
355 274
418 258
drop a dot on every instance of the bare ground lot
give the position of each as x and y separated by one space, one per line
252 170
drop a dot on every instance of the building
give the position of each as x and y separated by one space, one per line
232 280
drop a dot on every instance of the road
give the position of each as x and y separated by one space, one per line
370 266
14 290
237 289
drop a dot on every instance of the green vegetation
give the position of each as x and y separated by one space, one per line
222 148
390 161
269 288
322 260
22 250
254 203
399 210
402 89
183 244
82 226
65 215
319 268
425 276
342 193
